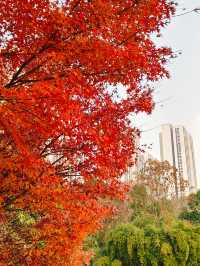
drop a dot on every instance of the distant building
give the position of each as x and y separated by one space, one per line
142 158
176 147
139 158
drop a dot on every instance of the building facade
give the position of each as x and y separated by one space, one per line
176 147
139 158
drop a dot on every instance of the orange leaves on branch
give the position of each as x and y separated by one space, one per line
64 138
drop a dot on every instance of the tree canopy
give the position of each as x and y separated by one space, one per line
161 179
153 235
128 245
191 211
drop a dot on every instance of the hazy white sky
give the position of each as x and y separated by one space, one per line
181 93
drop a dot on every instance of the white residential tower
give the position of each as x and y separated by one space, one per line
176 147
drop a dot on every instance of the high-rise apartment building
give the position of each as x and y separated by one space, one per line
176 147
139 159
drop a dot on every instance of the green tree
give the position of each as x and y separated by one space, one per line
192 210
152 245
145 208
147 230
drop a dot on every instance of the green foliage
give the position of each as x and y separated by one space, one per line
116 263
153 235
192 211
152 210
139 198
25 219
192 216
125 243
153 245
103 261
106 261
41 244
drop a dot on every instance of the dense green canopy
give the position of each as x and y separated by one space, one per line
153 234
128 245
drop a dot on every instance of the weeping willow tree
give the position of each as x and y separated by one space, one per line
148 232
152 245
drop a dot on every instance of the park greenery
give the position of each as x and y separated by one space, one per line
150 231
192 211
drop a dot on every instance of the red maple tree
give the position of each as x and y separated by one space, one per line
65 137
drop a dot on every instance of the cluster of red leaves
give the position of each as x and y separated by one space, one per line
64 138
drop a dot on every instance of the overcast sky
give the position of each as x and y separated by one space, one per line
181 93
